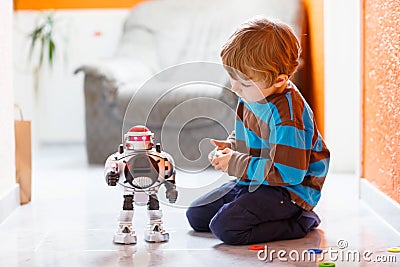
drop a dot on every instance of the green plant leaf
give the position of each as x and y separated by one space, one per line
43 41
52 48
34 36
43 33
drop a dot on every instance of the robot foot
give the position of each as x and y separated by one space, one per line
156 234
125 235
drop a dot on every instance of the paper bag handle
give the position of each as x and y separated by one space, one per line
16 106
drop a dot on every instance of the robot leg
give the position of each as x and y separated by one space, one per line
155 231
125 233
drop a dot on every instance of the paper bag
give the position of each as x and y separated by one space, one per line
23 157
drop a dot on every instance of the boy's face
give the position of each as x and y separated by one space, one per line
252 91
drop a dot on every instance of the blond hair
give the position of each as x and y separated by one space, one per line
263 49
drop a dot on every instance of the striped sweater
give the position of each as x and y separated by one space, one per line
276 142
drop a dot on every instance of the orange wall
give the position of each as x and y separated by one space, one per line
381 95
60 4
315 14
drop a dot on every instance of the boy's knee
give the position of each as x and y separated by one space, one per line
196 220
221 227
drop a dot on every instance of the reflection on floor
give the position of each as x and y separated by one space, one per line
72 218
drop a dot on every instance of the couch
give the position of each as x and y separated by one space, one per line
166 74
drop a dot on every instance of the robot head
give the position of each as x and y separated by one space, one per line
139 138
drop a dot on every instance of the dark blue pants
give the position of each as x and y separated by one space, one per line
238 217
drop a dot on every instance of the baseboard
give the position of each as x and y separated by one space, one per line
9 201
384 206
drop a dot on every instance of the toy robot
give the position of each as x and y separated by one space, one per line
140 169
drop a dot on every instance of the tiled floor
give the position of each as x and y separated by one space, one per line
72 217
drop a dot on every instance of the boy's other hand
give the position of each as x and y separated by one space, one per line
221 162
220 144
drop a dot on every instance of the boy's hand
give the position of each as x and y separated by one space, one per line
221 162
220 144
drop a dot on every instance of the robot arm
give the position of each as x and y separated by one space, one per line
111 171
112 178
171 193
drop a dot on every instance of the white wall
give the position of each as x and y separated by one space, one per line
9 189
7 145
58 113
342 83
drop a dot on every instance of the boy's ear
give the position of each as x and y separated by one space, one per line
280 80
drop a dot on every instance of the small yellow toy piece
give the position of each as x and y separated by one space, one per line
394 250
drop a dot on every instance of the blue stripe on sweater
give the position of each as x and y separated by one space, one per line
318 144
254 141
291 136
264 111
276 118
290 175
240 131
308 194
308 118
255 170
311 196
318 168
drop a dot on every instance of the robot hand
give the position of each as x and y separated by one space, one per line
171 195
112 178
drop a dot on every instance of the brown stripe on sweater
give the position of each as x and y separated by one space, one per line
257 152
273 177
297 125
315 135
238 165
290 156
313 182
325 148
299 201
321 155
242 147
239 111
244 176
261 152
282 105
255 124
298 108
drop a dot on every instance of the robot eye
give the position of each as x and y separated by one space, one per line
139 138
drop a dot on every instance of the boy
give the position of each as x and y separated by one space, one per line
276 152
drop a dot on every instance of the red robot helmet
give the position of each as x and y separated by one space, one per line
139 137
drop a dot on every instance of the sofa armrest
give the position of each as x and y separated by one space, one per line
112 75
119 70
